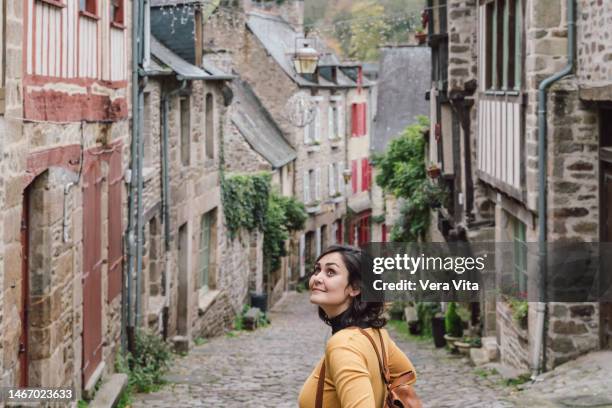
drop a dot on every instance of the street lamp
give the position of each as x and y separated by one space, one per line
306 58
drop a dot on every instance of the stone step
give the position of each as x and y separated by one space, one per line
108 395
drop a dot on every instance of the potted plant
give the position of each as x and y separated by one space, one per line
437 330
420 35
453 325
433 171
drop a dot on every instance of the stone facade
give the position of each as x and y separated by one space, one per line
573 147
228 39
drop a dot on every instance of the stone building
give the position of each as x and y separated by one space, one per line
489 60
258 41
403 77
65 143
197 272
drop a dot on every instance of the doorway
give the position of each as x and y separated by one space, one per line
183 282
25 290
605 223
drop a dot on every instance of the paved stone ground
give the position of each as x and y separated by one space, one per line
267 368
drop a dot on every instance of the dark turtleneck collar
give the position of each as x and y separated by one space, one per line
342 321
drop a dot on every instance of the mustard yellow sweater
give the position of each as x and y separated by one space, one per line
352 373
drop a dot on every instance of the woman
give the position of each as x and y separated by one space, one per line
352 372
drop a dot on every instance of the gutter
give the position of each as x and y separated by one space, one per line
127 339
539 364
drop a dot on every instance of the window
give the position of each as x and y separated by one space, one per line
306 185
185 130
331 176
366 174
312 130
204 249
116 12
334 117
88 7
503 48
340 175
317 186
210 127
520 257
354 175
358 119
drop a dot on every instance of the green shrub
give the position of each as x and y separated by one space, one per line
452 322
425 311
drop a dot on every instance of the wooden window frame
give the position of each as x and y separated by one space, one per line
502 64
91 9
204 252
520 256
117 13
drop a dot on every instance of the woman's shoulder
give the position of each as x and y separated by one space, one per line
353 338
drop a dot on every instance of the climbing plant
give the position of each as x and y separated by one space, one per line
245 201
401 172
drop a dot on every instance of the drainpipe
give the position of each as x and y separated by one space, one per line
539 364
130 239
165 184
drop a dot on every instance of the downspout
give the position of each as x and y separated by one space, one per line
539 364
129 239
166 182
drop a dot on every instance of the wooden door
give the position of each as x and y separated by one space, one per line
92 269
606 225
25 290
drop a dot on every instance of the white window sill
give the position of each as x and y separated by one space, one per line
313 208
206 297
313 148
335 143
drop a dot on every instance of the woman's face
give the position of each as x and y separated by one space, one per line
329 286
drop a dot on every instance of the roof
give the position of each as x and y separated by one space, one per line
279 38
257 126
404 77
168 60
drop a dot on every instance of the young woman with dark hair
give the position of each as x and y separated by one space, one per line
350 367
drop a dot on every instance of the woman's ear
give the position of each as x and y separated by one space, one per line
353 292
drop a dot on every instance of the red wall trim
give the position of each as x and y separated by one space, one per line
45 80
64 156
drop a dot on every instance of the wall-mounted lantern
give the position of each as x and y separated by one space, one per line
306 57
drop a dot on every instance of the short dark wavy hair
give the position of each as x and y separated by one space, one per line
361 313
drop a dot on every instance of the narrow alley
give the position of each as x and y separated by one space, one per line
267 367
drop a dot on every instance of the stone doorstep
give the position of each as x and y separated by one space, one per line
108 395
90 388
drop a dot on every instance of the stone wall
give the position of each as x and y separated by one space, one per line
514 339
594 43
462 20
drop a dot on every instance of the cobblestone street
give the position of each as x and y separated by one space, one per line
267 368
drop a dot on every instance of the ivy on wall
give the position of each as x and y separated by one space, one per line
250 203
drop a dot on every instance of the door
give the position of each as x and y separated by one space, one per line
92 269
25 290
606 224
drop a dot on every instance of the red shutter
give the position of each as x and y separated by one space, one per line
354 175
354 120
384 233
363 117
115 243
364 174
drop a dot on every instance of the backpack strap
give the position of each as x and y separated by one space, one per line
382 362
320 385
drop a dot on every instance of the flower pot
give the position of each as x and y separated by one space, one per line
420 37
434 172
463 347
437 329
414 328
451 340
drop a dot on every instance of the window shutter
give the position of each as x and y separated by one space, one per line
306 133
364 174
318 240
340 167
318 184
364 121
331 178
354 175
317 123
330 122
341 124
354 120
306 187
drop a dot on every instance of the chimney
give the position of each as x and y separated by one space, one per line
292 11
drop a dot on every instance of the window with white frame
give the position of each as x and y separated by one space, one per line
306 186
332 178
340 177
317 184
335 118
312 130
502 34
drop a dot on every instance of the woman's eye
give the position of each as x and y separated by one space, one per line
331 272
